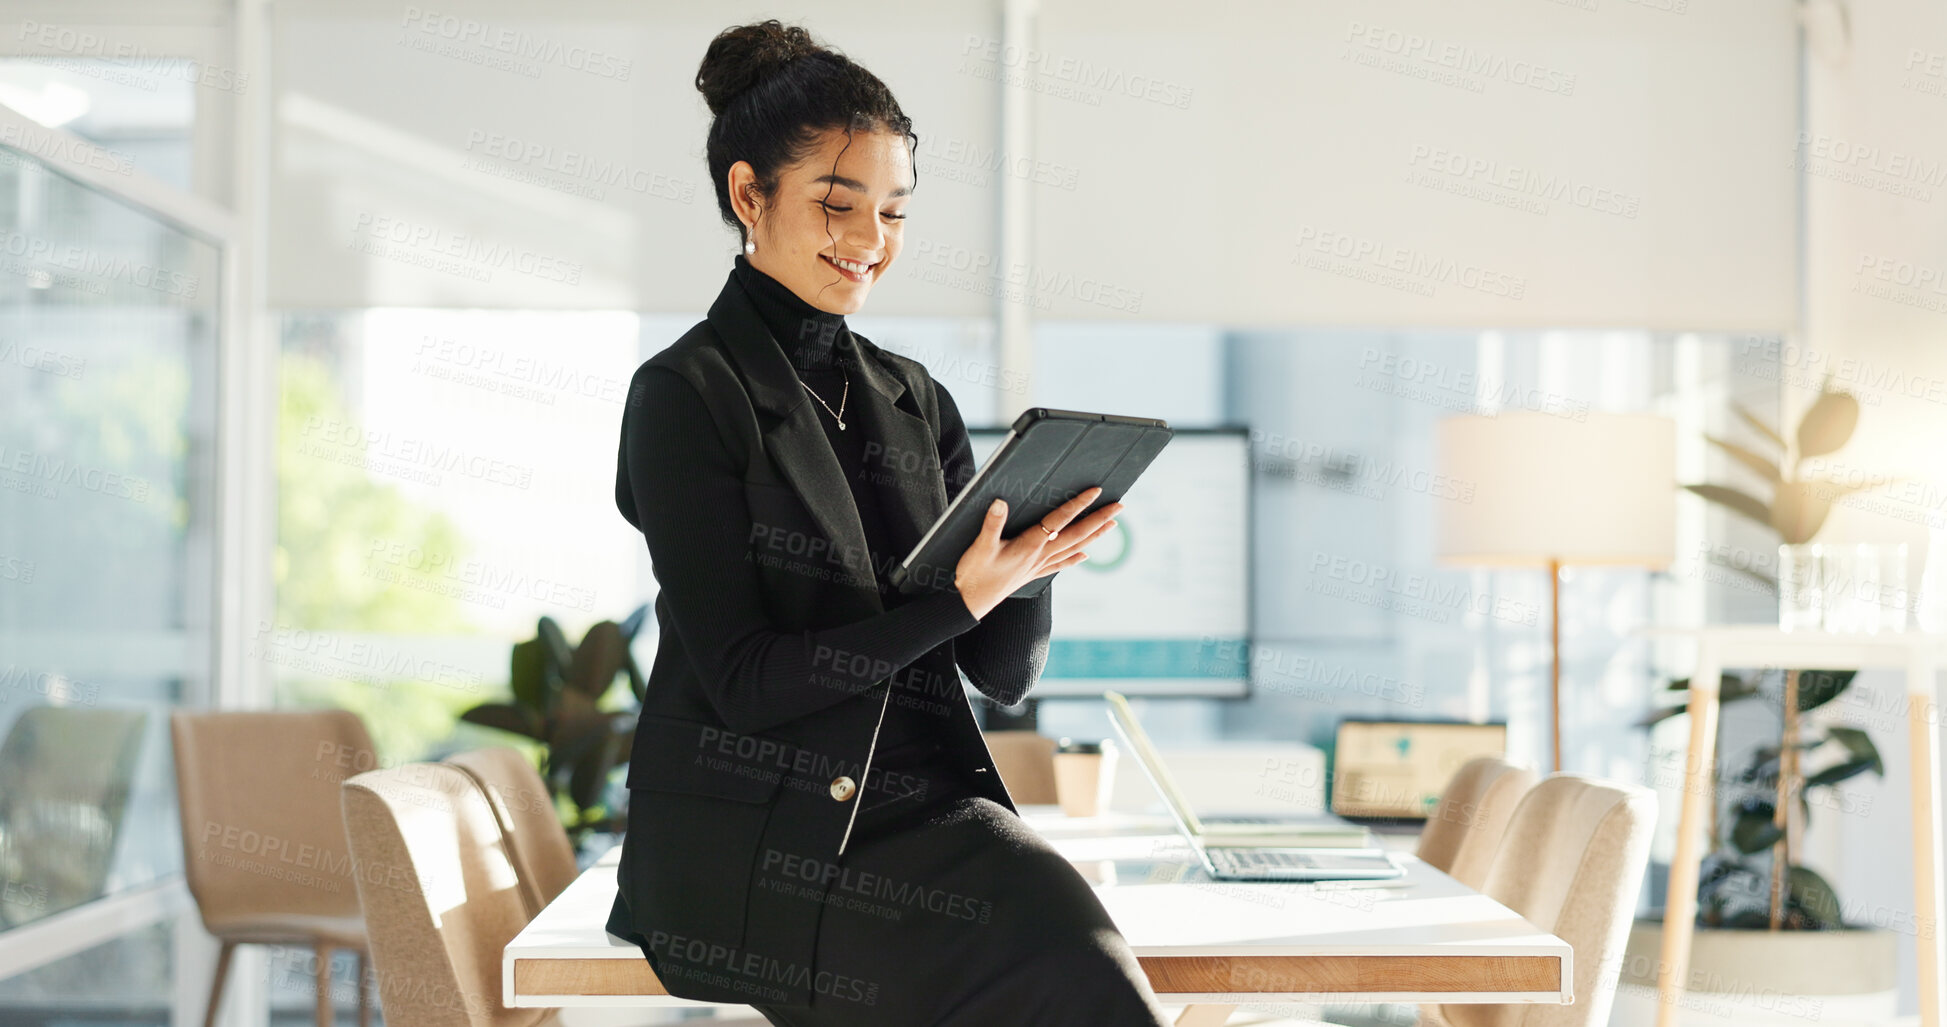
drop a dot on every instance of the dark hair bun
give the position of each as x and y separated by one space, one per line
743 55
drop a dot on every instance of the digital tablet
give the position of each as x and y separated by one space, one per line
1047 458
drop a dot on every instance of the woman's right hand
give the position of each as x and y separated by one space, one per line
992 568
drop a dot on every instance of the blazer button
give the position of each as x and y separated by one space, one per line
843 787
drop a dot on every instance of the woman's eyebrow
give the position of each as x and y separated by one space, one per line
857 186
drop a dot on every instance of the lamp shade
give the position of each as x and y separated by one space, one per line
1545 487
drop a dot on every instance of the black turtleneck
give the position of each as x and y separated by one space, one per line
679 484
820 347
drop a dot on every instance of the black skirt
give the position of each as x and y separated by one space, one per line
948 911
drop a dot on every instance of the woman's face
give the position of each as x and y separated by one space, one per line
852 213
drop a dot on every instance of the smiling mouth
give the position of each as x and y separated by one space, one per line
850 275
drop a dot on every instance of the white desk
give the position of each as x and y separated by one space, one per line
1742 646
1208 944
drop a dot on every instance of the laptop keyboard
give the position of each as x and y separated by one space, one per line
1248 858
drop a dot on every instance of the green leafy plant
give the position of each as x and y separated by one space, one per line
1752 878
559 697
1740 885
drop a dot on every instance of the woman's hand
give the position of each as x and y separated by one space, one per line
992 569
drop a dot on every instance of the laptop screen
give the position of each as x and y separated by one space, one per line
1124 719
1397 769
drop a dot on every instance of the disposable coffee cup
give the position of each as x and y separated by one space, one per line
1084 774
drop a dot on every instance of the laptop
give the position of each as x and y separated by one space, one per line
1240 860
1390 771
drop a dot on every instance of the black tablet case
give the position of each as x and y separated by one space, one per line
1050 457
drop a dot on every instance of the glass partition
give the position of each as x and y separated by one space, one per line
108 348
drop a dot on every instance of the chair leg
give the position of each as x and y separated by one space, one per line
216 984
364 1001
326 1018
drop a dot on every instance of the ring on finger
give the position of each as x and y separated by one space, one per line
1043 527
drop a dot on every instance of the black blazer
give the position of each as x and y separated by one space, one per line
710 798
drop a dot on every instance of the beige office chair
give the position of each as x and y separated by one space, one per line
1466 827
1026 762
1571 862
263 844
441 896
539 846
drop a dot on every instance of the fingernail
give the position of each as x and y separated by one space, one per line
997 506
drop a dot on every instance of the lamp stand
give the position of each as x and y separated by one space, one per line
1555 654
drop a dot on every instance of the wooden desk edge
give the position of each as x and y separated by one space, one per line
1364 977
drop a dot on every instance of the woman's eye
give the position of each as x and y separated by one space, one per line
895 217
835 209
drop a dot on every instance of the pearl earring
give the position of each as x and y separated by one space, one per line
750 246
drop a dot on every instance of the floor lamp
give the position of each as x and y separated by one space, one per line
1549 491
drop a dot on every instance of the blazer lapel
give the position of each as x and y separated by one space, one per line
798 448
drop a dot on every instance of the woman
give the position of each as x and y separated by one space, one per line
816 827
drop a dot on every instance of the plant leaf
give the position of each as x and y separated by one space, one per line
1763 465
1730 687
1661 714
528 675
1754 831
1799 509
1763 429
1834 774
597 660
560 654
1818 687
1859 745
633 622
1810 893
1730 498
1828 424
507 717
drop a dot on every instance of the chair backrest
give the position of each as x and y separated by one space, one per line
1466 827
441 896
1026 761
1571 862
259 799
65 778
539 845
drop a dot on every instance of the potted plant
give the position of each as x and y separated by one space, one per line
1774 943
561 700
